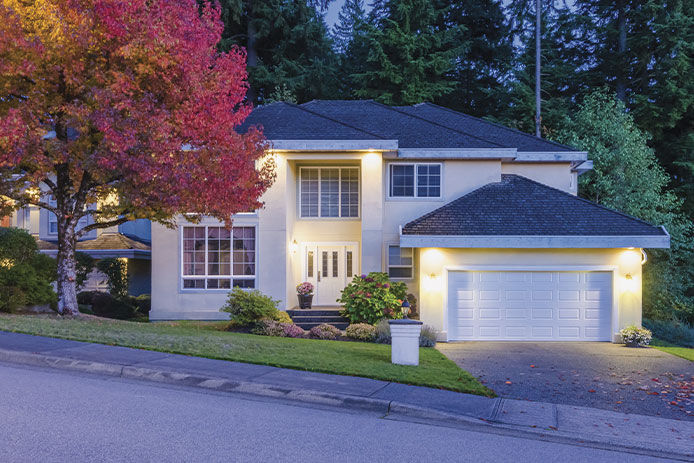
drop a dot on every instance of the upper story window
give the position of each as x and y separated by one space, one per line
415 180
329 192
217 258
53 219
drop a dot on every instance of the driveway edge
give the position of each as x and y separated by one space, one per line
390 408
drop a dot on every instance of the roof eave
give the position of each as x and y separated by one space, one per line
534 241
333 145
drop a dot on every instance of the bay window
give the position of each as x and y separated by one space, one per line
217 258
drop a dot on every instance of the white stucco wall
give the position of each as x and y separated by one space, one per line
434 261
557 175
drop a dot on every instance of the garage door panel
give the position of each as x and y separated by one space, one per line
571 306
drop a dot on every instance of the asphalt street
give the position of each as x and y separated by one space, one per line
55 416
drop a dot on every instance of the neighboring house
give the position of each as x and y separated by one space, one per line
482 222
129 241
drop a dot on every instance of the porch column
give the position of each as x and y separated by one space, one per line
371 212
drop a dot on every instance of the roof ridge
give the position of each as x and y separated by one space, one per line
520 132
393 108
587 201
332 119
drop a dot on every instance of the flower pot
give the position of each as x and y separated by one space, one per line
305 301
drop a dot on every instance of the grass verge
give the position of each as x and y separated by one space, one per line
684 352
205 339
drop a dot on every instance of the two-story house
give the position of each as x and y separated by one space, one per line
481 221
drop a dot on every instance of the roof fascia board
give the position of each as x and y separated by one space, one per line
333 145
583 167
533 241
457 153
106 253
551 156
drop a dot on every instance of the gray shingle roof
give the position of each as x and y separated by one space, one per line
518 206
419 126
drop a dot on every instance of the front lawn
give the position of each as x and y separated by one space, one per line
684 352
205 339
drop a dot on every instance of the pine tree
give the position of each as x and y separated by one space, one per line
411 50
644 51
483 68
350 19
560 67
288 47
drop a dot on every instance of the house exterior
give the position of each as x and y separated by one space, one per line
482 222
129 241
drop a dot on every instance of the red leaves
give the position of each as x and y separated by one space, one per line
135 81
591 390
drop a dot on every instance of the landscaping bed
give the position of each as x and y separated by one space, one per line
210 339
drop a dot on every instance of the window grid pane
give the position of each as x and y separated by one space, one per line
401 180
335 264
400 262
428 180
309 192
324 259
349 192
309 264
330 192
348 258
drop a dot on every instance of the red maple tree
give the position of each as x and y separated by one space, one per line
122 109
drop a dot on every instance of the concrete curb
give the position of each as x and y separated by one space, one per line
394 409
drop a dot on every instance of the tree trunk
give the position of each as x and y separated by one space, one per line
251 52
538 64
621 49
67 268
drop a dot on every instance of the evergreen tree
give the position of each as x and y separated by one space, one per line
288 47
628 177
350 19
483 68
644 51
560 68
411 47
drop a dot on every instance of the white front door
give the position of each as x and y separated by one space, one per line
529 306
329 267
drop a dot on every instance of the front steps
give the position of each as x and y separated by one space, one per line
308 318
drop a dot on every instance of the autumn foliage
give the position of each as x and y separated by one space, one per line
124 109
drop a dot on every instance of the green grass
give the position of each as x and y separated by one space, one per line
205 339
684 352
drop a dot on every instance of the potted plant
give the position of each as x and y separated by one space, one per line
305 292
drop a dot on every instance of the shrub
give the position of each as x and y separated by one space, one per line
361 332
25 274
369 298
382 332
674 332
634 336
143 302
268 327
247 307
294 331
324 331
85 265
106 305
428 336
116 271
282 317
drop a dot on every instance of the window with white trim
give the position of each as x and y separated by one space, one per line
217 258
400 262
415 180
329 192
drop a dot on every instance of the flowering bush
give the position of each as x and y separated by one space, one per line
268 327
293 331
282 317
369 298
304 289
324 331
361 332
635 337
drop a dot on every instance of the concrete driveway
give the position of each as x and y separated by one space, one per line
591 374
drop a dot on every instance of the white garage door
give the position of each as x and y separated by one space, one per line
529 306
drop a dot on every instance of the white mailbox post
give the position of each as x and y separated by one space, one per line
405 341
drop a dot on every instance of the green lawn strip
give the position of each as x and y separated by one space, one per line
684 352
204 339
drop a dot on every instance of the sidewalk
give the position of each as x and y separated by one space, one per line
586 426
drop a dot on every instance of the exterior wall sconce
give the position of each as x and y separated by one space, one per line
294 246
628 276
